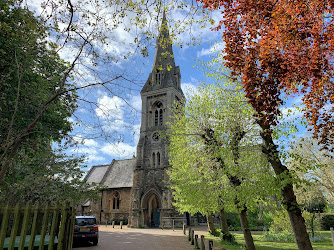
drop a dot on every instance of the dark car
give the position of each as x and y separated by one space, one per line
86 229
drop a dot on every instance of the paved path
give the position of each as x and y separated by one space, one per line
139 239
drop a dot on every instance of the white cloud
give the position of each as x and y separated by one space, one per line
135 102
90 143
110 108
116 126
290 113
189 89
85 150
92 158
136 133
120 149
217 47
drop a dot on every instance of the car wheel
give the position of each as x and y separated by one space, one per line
95 242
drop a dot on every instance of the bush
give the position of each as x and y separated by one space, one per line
227 237
318 238
281 223
327 221
233 222
283 236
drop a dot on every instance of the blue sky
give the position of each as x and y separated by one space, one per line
107 121
121 120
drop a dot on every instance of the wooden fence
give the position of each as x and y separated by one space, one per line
37 227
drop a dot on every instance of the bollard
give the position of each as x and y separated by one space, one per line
106 223
210 244
202 242
196 241
121 223
189 234
192 237
184 228
173 225
113 224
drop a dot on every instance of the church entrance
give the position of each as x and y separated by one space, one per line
152 216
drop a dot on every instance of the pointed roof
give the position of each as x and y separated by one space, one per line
164 52
117 174
164 72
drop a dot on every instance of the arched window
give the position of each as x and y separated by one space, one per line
153 159
158 158
115 201
158 114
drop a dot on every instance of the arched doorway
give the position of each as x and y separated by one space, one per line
151 209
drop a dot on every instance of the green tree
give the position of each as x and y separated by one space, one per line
35 104
215 158
314 164
31 76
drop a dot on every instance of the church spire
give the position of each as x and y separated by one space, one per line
164 58
164 72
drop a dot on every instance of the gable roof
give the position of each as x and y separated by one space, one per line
96 173
119 173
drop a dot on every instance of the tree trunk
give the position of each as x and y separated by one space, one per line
211 225
233 179
223 221
245 229
289 198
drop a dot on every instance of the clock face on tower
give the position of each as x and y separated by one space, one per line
155 136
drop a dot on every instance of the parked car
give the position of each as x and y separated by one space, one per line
86 229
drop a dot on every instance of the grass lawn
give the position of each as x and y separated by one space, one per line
262 245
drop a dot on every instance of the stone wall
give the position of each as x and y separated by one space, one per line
102 207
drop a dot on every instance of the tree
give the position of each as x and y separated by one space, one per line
33 117
314 164
86 32
31 74
281 47
45 175
214 151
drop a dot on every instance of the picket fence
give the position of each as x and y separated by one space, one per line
37 227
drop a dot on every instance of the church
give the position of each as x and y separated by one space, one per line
136 189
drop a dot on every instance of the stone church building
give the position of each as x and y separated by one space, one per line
135 189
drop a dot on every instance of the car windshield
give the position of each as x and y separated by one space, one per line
85 221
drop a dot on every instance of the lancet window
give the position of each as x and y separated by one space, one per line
158 114
158 77
156 159
115 201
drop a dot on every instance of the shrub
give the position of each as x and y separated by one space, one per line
318 238
233 222
227 237
281 223
283 236
327 221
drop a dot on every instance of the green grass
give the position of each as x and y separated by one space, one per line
260 244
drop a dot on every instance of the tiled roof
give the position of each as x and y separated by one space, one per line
120 174
96 173
115 175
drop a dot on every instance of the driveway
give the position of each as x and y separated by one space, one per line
135 238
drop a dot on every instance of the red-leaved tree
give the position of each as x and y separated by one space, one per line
282 46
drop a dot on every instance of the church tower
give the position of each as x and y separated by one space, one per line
151 200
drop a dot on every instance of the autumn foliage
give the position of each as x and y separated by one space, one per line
282 46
